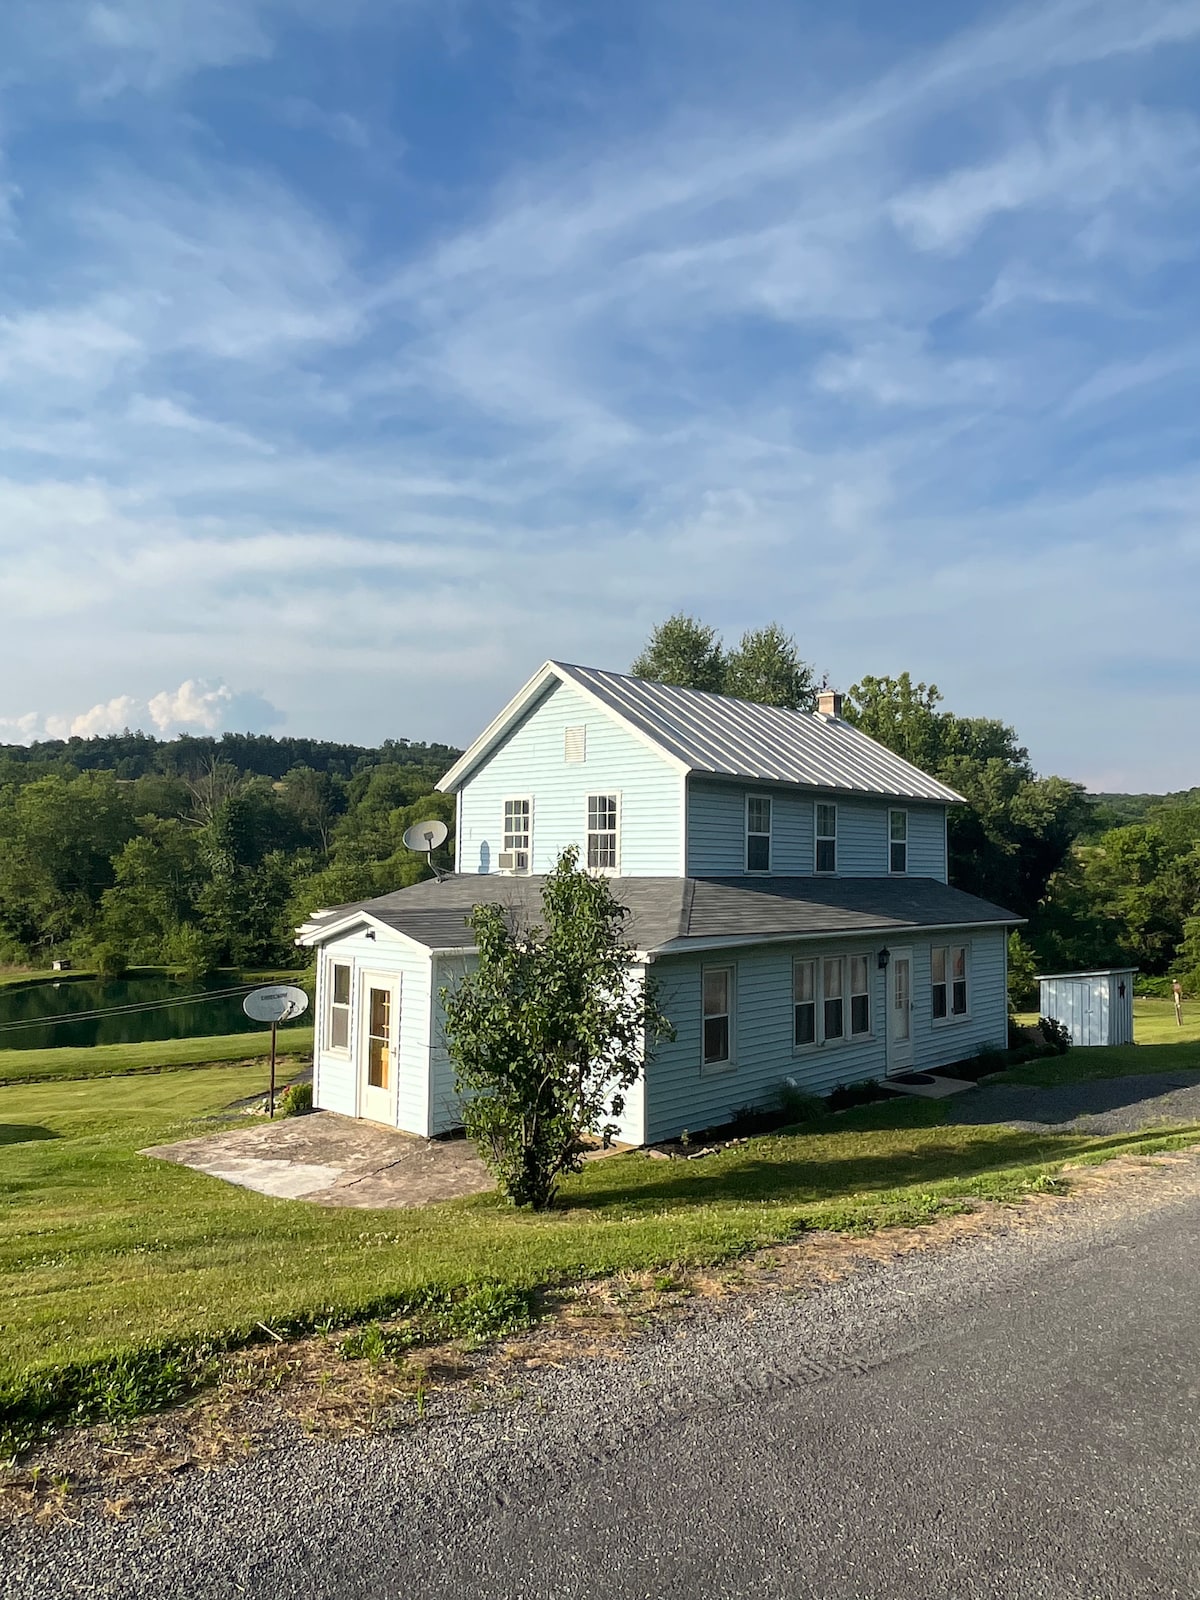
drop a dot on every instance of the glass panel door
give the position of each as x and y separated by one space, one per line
379 1038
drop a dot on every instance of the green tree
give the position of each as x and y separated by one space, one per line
900 714
766 667
684 652
549 1032
158 878
58 840
1022 974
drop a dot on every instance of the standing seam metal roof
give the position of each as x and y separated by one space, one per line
739 739
724 737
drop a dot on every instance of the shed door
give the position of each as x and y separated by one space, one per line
899 1012
377 1062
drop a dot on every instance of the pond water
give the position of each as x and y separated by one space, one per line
212 1005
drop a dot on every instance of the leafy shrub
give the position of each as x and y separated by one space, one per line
296 1100
1018 1034
1056 1034
848 1095
111 961
797 1105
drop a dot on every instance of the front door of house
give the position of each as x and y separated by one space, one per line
377 1066
899 1013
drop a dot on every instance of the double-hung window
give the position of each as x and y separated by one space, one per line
833 977
717 1020
820 990
826 856
602 832
948 974
860 996
517 835
339 1006
897 841
758 833
804 1003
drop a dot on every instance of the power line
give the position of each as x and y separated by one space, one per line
132 1009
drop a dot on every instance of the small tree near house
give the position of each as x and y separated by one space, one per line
548 1032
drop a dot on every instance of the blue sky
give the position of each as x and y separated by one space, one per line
357 356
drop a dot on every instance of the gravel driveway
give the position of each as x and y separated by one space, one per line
1102 1106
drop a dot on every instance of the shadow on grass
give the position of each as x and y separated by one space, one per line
24 1132
1087 1064
809 1168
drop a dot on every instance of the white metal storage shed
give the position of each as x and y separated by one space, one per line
1096 1006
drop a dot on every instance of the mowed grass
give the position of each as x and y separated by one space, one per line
157 1055
105 1253
1162 1046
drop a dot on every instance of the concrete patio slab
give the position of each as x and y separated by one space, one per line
334 1161
937 1089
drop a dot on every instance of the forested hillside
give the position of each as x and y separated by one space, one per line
202 852
199 852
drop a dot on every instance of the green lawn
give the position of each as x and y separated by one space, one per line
112 1060
104 1253
1162 1046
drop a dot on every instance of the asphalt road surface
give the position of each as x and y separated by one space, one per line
1013 1416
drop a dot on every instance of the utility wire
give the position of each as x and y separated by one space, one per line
133 1008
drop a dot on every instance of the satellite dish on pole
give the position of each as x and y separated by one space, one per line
426 837
280 1002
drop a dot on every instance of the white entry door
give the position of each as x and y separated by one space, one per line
380 1034
899 1013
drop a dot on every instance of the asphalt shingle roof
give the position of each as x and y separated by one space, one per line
671 912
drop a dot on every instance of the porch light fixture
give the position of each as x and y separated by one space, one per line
884 956
369 934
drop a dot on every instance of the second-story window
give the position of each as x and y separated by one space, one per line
826 854
517 835
758 833
602 832
897 841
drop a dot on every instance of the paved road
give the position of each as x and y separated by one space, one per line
1015 1416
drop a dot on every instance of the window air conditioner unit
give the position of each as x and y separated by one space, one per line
514 861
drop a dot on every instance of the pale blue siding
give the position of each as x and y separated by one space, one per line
717 833
530 762
681 1094
337 1074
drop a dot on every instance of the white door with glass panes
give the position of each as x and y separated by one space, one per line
380 1034
899 1013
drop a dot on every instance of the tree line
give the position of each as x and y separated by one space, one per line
1103 880
197 853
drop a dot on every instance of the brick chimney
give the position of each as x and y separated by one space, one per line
829 704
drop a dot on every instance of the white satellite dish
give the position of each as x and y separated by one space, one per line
426 835
279 1003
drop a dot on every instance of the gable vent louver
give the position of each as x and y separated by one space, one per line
575 744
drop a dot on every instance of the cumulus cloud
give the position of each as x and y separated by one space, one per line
196 706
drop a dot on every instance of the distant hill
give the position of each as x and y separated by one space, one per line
139 755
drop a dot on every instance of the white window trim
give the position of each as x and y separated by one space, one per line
603 872
952 1019
759 872
516 799
898 811
825 872
820 1042
348 1007
713 1069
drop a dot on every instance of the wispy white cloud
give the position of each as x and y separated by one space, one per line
379 442
1081 161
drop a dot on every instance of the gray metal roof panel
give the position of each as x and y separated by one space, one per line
714 733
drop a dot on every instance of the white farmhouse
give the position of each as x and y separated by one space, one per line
785 874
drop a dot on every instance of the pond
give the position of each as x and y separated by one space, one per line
182 1009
